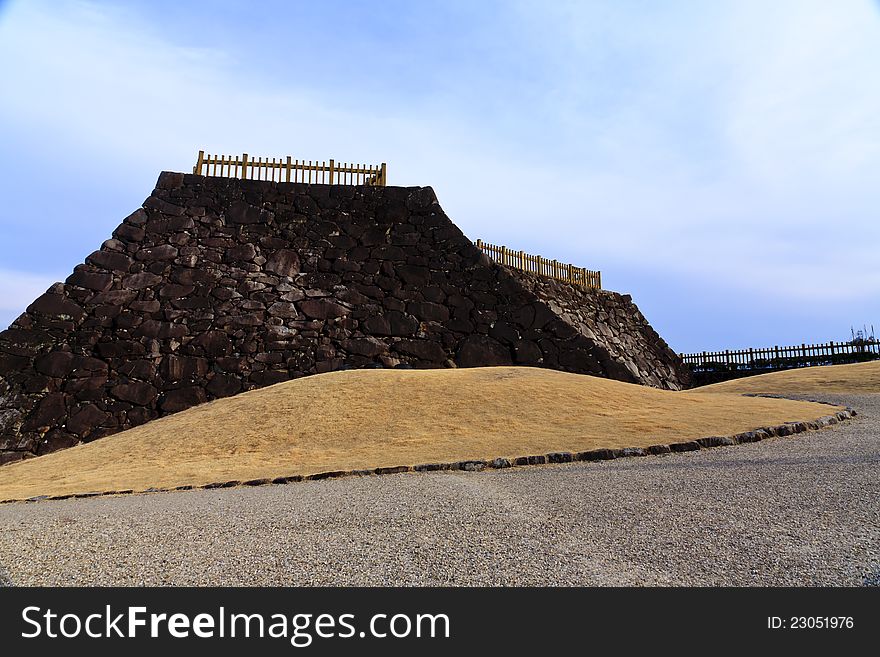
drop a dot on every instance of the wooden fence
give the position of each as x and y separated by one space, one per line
828 352
290 170
542 266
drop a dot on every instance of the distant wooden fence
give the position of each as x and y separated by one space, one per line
290 170
791 356
542 266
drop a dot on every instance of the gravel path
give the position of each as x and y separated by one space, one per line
802 510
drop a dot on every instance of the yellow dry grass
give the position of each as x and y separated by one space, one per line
371 418
859 378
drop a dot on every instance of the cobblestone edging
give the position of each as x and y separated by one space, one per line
787 429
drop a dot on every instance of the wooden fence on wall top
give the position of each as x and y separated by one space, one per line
290 170
770 356
542 266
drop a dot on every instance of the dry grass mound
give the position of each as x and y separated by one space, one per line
858 378
372 418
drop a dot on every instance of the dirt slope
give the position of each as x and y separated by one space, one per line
858 378
369 418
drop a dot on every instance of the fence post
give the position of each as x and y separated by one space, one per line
244 163
332 166
383 176
197 169
540 265
480 244
287 168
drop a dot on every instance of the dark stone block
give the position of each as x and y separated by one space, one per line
136 392
368 346
333 474
388 252
428 311
56 305
504 332
414 275
49 412
482 351
322 308
374 235
111 261
172 401
169 180
470 466
129 234
526 352
56 364
173 291
241 253
55 440
161 252
10 363
240 212
213 343
283 262
86 418
424 349
595 455
91 280
271 377
141 281
431 467
119 349
223 385
715 441
393 469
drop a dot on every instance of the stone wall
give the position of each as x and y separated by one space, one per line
217 286
614 322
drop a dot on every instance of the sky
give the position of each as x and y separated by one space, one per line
717 161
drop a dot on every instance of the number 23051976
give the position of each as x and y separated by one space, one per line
810 623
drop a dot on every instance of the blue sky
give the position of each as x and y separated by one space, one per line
719 161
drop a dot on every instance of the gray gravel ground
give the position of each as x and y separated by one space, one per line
802 510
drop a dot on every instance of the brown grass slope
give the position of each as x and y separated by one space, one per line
371 418
859 378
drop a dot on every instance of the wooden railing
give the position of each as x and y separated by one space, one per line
770 357
290 170
542 266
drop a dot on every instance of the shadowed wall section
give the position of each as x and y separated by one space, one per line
217 285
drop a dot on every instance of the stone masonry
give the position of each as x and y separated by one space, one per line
217 286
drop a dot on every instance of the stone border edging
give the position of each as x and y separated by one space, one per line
476 465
